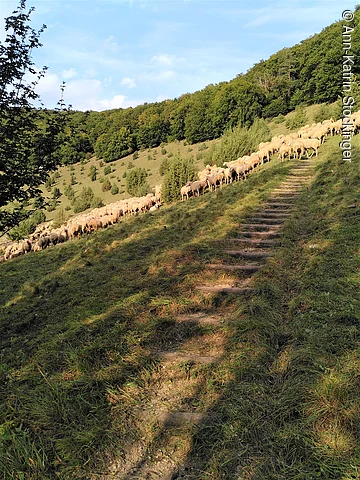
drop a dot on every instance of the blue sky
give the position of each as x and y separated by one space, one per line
121 53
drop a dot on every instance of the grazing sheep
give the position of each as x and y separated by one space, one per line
185 190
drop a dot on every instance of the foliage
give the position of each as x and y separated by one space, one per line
114 189
298 120
135 155
107 170
56 193
69 192
164 166
106 186
26 227
29 136
238 142
85 200
93 173
180 171
136 183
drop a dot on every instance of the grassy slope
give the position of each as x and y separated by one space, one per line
152 165
81 324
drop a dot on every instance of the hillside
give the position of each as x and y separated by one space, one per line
305 74
84 324
149 159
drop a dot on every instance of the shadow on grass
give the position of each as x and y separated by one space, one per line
294 411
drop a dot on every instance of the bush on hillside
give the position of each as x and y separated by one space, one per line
93 173
180 171
114 189
26 227
84 200
106 186
136 183
164 166
298 120
238 142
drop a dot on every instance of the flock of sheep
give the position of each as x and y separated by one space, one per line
307 139
45 235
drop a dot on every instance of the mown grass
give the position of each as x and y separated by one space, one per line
81 324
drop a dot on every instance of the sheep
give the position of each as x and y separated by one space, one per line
185 190
283 151
311 143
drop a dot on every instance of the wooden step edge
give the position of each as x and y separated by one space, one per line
241 268
255 241
247 253
199 317
220 289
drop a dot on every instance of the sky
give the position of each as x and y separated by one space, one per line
122 53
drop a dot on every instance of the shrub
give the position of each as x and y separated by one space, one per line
60 218
107 170
279 119
135 155
73 179
149 157
84 200
96 202
170 154
238 142
324 113
114 189
164 166
101 164
181 171
93 173
163 151
202 147
56 193
298 120
67 208
52 206
69 192
124 174
136 182
26 227
130 165
106 186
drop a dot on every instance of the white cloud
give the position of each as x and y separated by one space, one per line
70 73
162 59
118 101
128 82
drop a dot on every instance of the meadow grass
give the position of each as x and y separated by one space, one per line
292 409
81 324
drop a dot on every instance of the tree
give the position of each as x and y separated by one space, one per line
136 182
114 189
181 171
29 136
93 173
